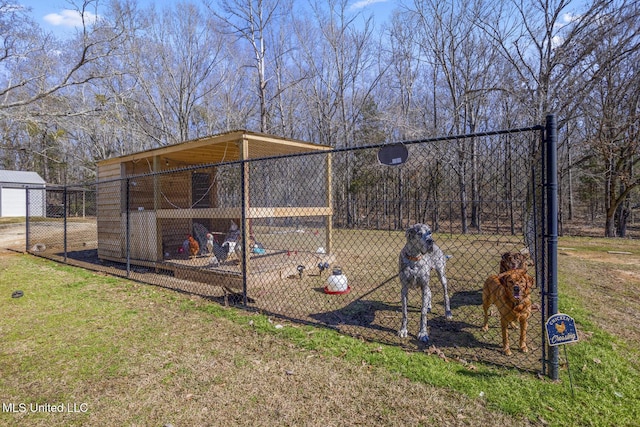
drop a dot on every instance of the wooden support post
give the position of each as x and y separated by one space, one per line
244 230
329 217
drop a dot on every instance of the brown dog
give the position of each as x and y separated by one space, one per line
513 261
510 292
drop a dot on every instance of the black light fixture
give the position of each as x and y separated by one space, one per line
393 154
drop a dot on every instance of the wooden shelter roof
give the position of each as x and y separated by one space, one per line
226 147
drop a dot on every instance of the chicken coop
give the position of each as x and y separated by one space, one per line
217 208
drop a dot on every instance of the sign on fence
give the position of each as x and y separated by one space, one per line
393 154
561 329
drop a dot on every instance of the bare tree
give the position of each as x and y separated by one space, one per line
612 115
41 74
339 58
34 60
463 62
175 64
251 20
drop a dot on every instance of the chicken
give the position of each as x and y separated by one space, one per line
238 247
218 253
201 234
194 247
210 243
221 252
561 327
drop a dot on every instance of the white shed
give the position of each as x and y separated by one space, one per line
13 193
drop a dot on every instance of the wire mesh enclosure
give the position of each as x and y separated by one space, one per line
68 220
315 236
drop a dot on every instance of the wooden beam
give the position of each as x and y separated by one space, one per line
286 212
255 212
200 213
286 146
244 155
163 151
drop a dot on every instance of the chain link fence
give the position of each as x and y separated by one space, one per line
273 234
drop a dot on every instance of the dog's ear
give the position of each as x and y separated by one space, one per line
530 282
504 279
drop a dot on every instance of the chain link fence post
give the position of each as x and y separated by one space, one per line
127 232
28 219
551 143
65 213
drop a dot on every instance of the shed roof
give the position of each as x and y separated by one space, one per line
20 177
224 147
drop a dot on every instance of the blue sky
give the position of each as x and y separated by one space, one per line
57 16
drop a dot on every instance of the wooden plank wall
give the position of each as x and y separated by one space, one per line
141 195
175 190
109 207
174 232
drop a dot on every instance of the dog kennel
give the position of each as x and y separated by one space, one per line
149 202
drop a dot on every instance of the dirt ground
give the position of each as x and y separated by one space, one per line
12 237
371 310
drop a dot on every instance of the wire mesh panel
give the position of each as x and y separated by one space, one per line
61 219
45 210
475 194
319 237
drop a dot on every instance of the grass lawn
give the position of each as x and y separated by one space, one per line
107 351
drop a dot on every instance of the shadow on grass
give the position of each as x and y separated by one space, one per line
370 316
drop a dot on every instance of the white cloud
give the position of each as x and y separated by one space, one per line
364 3
70 18
556 41
569 17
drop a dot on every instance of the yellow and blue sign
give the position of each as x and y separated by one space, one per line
561 329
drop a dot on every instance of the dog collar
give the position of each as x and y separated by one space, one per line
413 258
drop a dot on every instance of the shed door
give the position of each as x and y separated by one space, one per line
14 202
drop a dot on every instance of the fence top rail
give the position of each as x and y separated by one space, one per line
321 152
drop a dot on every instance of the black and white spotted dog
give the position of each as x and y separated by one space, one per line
417 258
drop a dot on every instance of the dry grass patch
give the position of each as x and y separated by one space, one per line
140 355
606 274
